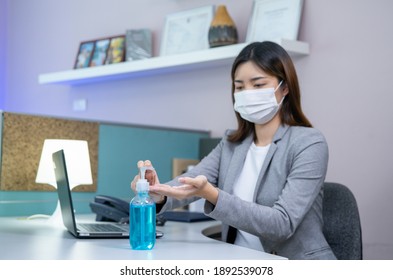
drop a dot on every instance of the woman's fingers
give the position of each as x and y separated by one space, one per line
133 182
150 175
198 181
140 164
178 192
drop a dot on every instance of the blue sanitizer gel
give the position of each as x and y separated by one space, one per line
142 217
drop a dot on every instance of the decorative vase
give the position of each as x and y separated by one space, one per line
222 30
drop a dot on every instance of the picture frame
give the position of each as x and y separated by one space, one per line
187 31
139 44
116 50
100 52
273 20
85 52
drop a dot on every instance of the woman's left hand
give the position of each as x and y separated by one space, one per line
198 186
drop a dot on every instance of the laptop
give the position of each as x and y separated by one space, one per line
78 229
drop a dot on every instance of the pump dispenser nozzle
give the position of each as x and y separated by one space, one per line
142 185
143 171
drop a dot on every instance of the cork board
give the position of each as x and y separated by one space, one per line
22 141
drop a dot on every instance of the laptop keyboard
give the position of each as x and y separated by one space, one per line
102 228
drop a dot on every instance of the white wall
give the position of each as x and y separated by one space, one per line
347 94
3 22
345 83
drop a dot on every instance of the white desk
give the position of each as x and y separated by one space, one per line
22 239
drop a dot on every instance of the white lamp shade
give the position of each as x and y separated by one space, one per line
77 159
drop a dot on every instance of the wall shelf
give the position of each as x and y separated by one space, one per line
162 64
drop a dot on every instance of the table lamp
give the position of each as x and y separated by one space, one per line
77 159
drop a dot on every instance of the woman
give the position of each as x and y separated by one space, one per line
263 180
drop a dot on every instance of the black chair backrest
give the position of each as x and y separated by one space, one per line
342 227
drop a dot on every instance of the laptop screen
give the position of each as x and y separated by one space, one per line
63 189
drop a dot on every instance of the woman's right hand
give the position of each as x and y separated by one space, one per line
151 177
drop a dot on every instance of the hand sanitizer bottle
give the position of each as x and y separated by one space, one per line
142 216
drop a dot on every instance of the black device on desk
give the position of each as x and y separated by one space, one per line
113 209
109 208
185 216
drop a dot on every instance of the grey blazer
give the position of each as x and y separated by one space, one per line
287 210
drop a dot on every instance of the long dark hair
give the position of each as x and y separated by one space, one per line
275 61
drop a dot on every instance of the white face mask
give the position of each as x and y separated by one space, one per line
257 105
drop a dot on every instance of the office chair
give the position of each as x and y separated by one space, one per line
342 227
